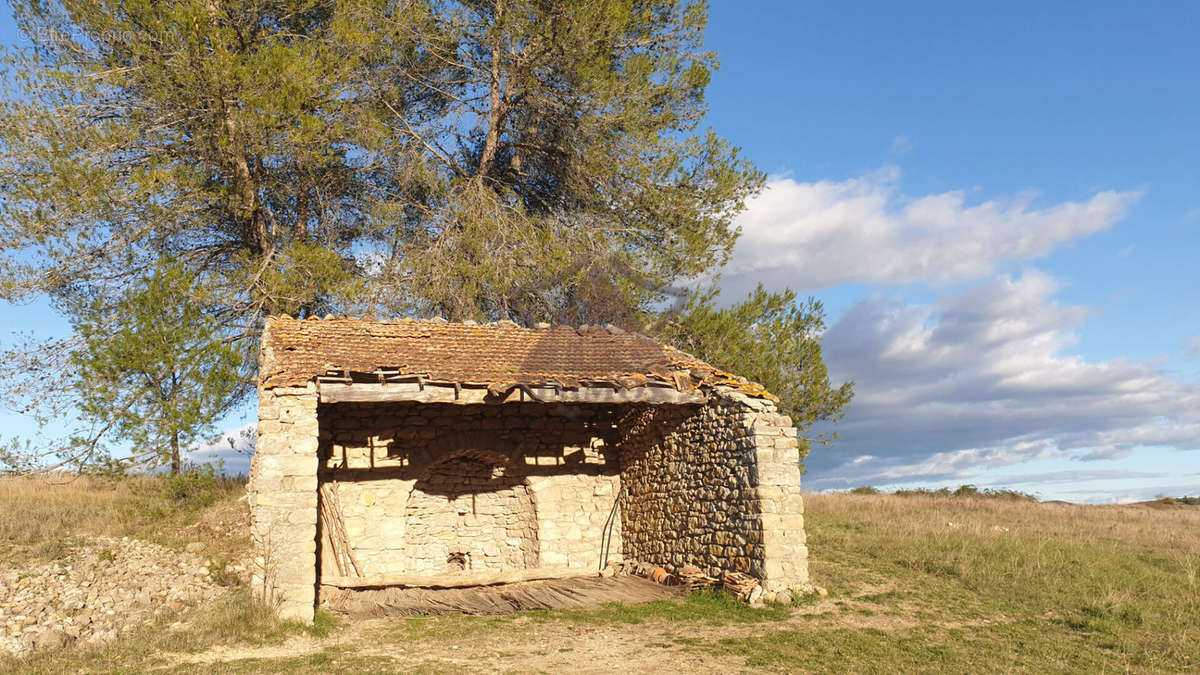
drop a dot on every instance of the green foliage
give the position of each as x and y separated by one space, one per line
203 129
519 159
581 187
769 338
968 491
193 489
511 159
105 468
1178 501
17 456
864 490
323 623
158 374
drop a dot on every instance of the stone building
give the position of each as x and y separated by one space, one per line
393 451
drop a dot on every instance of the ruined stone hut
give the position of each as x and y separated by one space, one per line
393 451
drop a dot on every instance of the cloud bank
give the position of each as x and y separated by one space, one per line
814 235
231 452
981 379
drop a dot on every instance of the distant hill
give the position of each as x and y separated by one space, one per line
1172 501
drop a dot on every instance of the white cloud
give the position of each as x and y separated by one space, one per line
231 452
980 380
1058 477
813 235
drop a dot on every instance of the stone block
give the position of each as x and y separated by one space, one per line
288 465
764 442
778 474
302 444
303 483
302 517
792 504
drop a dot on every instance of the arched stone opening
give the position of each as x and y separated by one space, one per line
466 515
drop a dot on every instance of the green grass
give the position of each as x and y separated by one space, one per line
1017 646
983 598
712 608
329 660
920 583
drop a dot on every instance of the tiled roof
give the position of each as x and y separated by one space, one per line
496 355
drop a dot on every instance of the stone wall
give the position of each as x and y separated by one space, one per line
425 487
283 500
436 488
468 515
779 502
716 486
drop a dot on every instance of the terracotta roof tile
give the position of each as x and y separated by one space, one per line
499 354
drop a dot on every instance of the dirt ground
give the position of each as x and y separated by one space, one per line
529 645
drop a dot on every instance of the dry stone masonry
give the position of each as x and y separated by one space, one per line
716 486
437 488
425 449
101 589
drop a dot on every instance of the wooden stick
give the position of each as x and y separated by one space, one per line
334 543
328 527
331 512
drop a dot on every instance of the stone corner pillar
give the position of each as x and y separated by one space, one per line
283 501
776 451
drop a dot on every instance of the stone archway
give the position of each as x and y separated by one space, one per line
465 514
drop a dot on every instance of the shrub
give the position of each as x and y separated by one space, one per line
194 488
968 491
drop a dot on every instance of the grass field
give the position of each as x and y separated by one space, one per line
41 517
917 583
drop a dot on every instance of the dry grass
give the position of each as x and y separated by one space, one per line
1135 525
41 516
1048 586
920 583
1141 525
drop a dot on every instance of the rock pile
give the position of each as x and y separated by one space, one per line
105 587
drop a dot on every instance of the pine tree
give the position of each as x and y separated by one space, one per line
157 377
769 338
533 160
507 159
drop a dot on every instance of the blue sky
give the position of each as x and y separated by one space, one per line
1009 194
999 205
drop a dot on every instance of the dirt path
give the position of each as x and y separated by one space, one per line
528 645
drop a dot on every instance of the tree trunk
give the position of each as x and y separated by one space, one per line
491 142
176 464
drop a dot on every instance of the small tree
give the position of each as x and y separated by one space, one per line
769 338
158 377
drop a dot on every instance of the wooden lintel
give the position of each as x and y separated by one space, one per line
428 392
